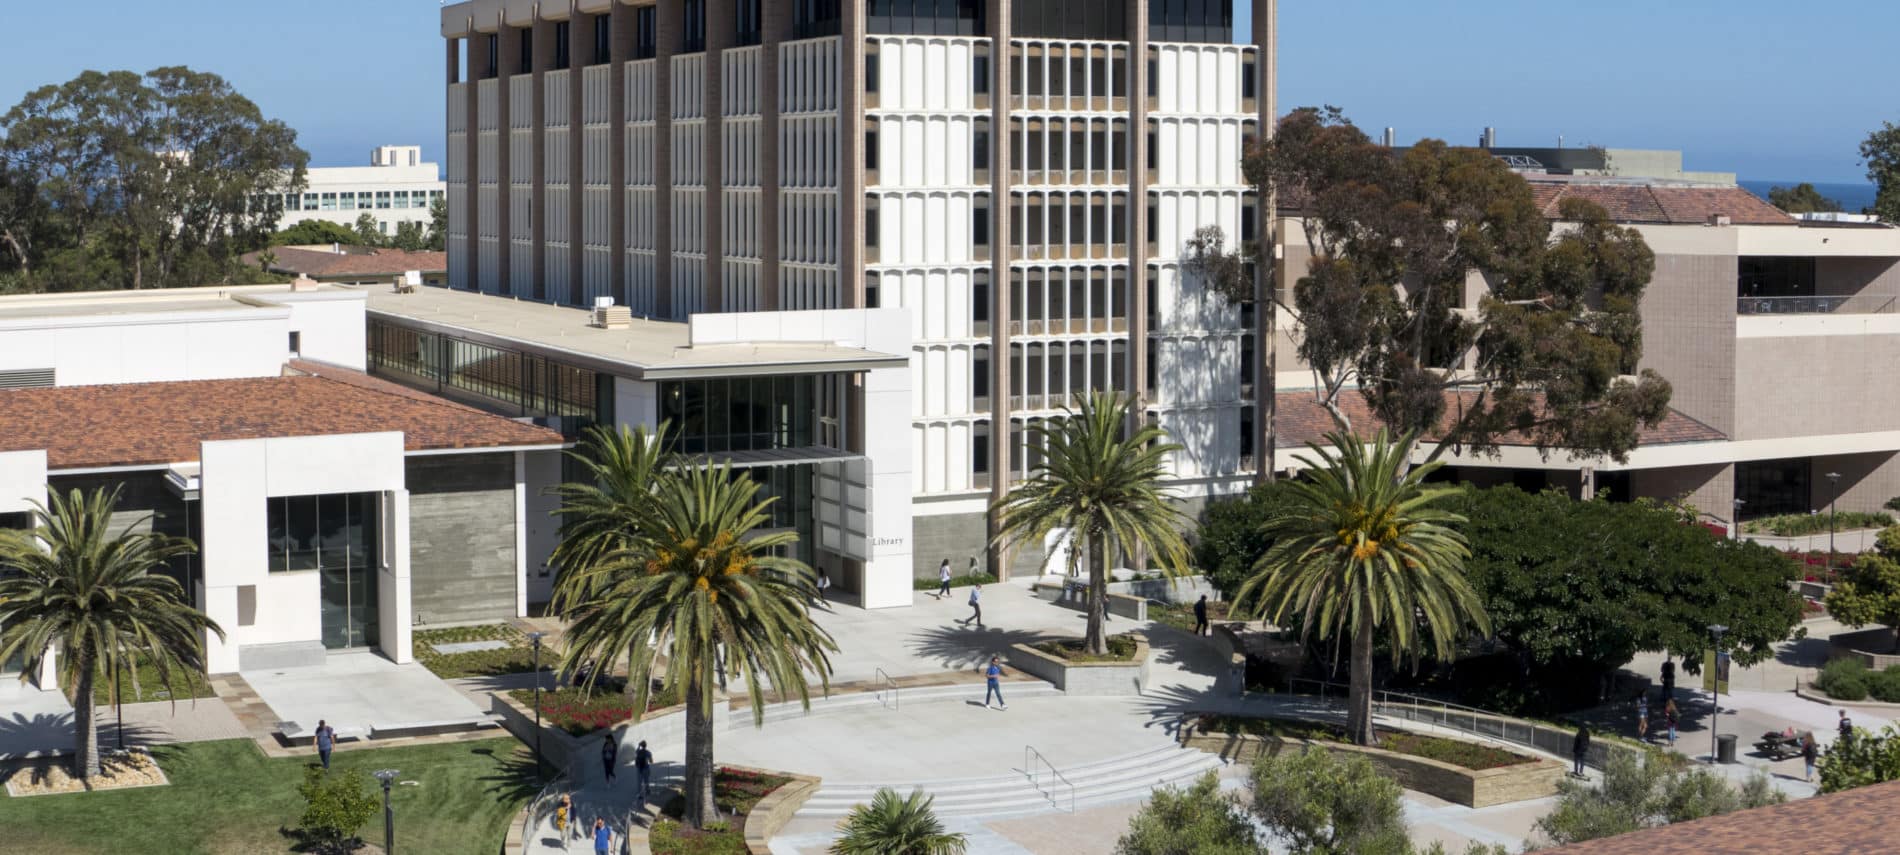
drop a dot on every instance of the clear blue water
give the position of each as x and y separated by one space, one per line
1853 197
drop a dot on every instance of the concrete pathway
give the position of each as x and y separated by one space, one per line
33 722
359 691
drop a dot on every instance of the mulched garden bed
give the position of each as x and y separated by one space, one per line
735 791
1467 755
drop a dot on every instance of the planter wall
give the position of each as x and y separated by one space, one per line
560 748
1076 597
1862 644
1184 590
1226 642
1470 787
1085 678
766 818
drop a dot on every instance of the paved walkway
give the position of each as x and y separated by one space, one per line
33 722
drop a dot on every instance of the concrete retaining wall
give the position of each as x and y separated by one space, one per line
1085 678
766 818
1873 647
462 538
1534 779
1184 590
559 747
1075 596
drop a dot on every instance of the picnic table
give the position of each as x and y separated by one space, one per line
1778 745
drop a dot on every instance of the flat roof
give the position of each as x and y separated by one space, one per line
59 309
155 424
645 350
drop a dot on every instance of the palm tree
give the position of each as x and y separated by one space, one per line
689 580
891 825
1101 483
1366 549
90 596
598 515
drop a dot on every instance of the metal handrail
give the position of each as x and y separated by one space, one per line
883 680
1472 720
1035 778
540 805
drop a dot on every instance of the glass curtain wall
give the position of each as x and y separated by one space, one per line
726 414
505 381
336 535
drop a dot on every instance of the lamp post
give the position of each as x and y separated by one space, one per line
1735 520
1834 494
1715 680
536 638
118 702
387 776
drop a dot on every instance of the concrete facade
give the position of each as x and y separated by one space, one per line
462 538
397 187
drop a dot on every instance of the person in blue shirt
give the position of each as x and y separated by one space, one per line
994 674
326 741
603 837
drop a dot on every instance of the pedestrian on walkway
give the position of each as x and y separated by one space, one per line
1846 726
1668 678
609 754
1671 716
326 742
1642 716
1809 753
943 580
824 584
603 837
562 811
994 675
643 766
1200 616
976 607
1580 748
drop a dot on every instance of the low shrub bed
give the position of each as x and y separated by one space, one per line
1121 648
1466 755
1796 525
581 711
1181 615
735 791
963 581
142 684
1850 680
516 658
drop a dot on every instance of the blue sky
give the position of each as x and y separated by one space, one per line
1767 88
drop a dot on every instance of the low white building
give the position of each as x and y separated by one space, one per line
397 186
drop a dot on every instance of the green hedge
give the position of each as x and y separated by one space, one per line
1844 680
1121 648
963 581
1466 755
1797 525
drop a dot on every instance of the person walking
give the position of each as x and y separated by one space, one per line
976 607
1580 748
824 584
1642 716
993 679
643 767
1671 717
1809 753
326 742
1846 726
603 837
943 580
1669 679
1200 616
609 755
563 810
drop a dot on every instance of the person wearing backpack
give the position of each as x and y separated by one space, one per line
643 764
976 607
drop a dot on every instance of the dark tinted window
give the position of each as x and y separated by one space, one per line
645 46
1191 21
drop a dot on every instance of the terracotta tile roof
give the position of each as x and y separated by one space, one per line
1645 203
141 424
1844 823
322 264
1301 419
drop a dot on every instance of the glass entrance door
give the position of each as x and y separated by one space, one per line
335 535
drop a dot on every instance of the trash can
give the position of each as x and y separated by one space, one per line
1725 748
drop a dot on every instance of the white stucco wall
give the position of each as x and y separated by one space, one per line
210 345
331 326
22 480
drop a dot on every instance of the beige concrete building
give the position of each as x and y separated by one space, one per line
1776 334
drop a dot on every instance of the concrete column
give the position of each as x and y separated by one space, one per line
507 53
580 46
394 611
543 36
1002 249
1266 319
620 51
521 534
720 23
668 27
851 155
472 180
1137 213
775 24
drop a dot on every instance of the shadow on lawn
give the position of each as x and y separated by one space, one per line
514 777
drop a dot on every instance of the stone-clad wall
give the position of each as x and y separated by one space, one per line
462 538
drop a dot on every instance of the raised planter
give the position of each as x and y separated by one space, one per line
766 818
1807 690
1075 596
1873 647
1086 678
1182 590
1534 779
561 748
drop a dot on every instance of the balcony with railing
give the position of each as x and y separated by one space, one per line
1856 304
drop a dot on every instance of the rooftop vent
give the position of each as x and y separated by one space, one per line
608 316
1719 220
303 283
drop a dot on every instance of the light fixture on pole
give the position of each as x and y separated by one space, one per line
118 701
536 638
1715 680
1735 520
1834 494
388 777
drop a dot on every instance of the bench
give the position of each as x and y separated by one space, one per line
429 728
297 734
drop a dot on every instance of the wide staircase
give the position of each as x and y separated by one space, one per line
1035 788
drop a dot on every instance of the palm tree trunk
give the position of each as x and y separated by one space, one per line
86 728
1359 703
1096 641
701 809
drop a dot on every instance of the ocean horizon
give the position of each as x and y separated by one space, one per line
1851 197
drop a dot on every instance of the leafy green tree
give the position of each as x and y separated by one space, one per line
1548 352
410 237
154 180
896 825
75 586
1881 154
1369 550
438 239
1869 591
315 233
1801 199
1102 483
1659 790
367 232
1198 820
1321 803
689 579
1867 758
1578 588
1231 537
335 807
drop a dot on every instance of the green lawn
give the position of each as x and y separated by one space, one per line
150 688
228 798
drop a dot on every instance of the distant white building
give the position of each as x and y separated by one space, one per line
397 187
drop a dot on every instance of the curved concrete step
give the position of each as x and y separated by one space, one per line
914 695
1116 779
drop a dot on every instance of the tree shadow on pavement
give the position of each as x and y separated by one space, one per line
1195 655
1810 652
968 647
